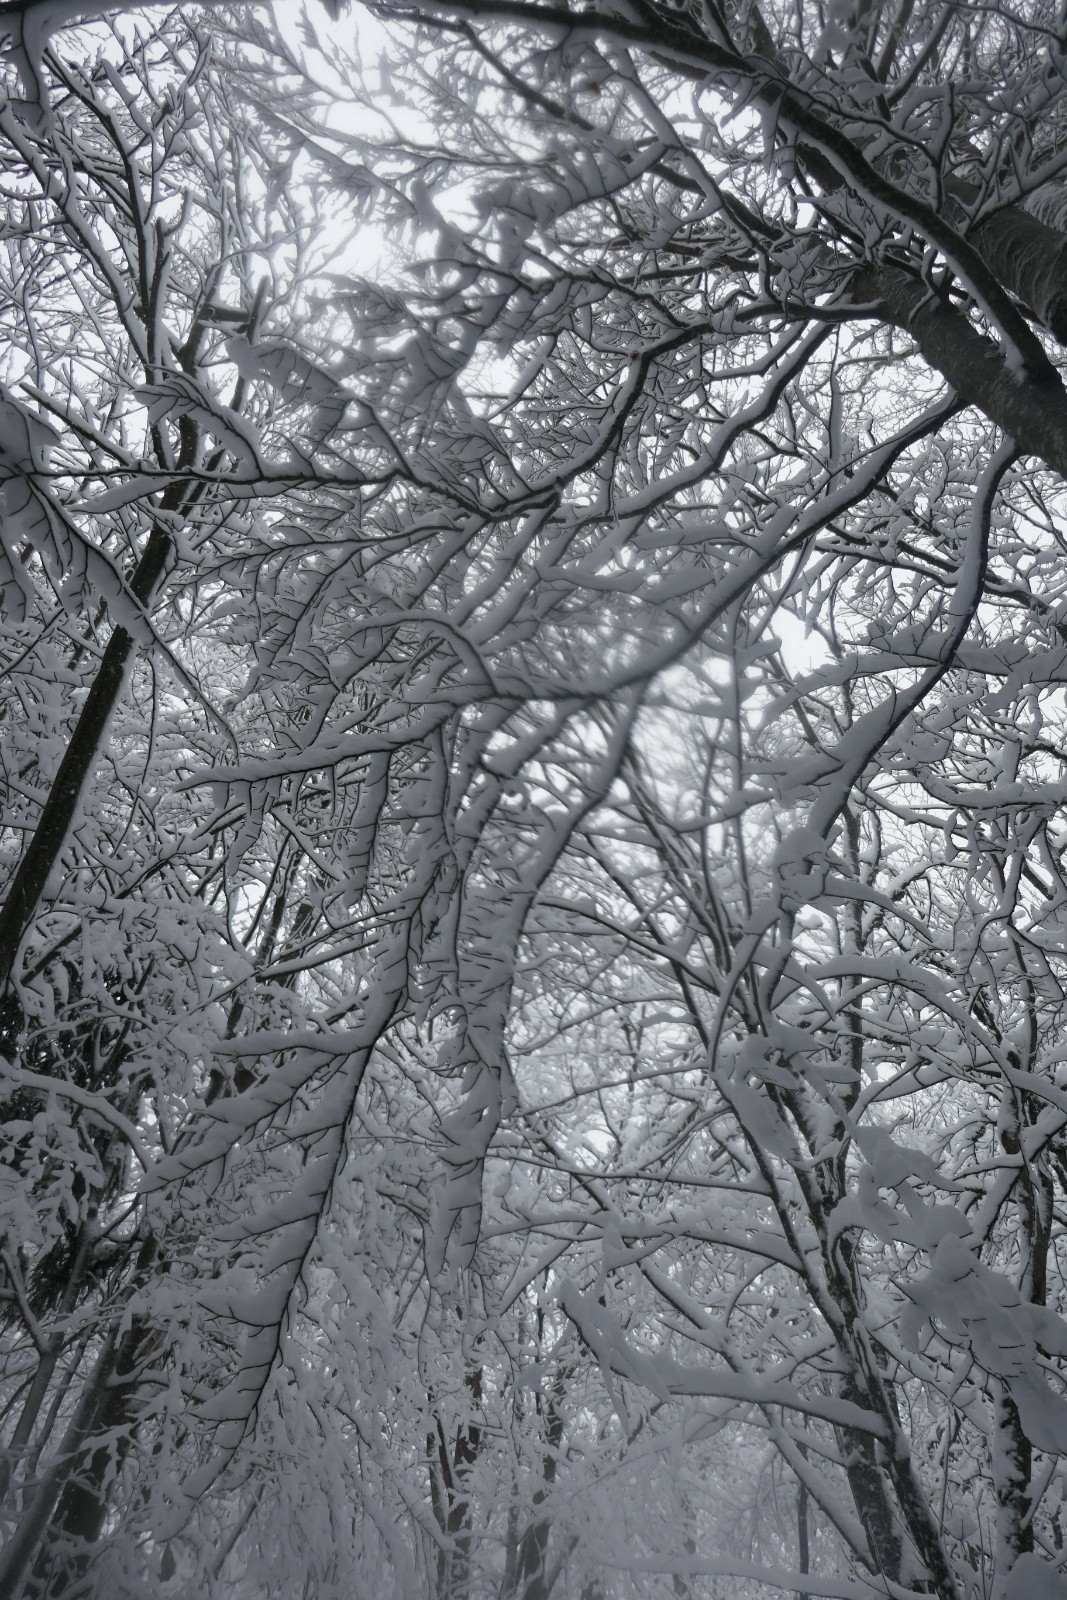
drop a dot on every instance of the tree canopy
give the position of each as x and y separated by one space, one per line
533 809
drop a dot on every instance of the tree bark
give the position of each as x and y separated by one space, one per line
57 815
23 1544
48 1361
1027 409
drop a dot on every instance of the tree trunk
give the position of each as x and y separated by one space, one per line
53 825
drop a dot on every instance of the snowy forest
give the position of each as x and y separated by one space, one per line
533 800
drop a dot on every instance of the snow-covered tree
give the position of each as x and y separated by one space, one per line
532 958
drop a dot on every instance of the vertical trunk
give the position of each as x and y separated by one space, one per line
1012 1450
65 1515
53 826
46 1365
452 1500
803 1545
531 1577
57 815
1012 1470
64 1555
24 1542
682 1585
890 1503
868 1488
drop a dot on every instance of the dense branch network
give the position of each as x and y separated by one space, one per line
531 707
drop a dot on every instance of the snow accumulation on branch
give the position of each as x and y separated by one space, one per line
533 723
